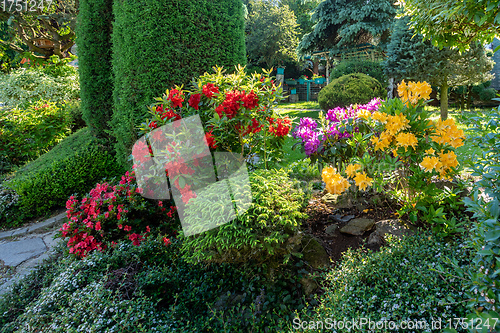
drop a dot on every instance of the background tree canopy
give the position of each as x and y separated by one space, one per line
271 34
455 22
410 57
341 23
54 21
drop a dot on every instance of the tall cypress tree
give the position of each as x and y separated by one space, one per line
161 43
94 26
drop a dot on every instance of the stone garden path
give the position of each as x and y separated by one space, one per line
23 249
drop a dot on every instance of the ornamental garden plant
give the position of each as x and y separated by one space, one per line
366 143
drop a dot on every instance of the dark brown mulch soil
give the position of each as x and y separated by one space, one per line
320 217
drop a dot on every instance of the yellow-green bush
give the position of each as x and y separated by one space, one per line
261 232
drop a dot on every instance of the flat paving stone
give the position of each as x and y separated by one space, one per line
14 253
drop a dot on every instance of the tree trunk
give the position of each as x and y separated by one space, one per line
444 100
469 100
315 67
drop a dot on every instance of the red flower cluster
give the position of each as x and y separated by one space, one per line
169 114
194 101
209 137
210 89
233 102
102 217
255 127
280 127
176 97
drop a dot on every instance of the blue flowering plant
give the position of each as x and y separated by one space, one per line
339 135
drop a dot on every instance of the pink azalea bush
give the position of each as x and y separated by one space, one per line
113 212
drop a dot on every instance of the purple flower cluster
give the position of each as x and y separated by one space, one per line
311 135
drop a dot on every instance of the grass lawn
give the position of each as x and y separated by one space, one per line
300 105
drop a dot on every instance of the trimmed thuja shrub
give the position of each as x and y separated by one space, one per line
94 26
264 232
170 44
356 88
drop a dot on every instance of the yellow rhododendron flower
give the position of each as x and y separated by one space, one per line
449 160
406 140
429 163
414 92
365 114
430 151
351 169
396 123
380 116
362 180
403 90
448 132
383 142
335 183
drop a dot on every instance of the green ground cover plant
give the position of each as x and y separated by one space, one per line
485 205
27 85
408 280
148 288
27 133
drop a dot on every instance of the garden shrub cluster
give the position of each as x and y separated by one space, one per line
94 26
485 204
236 110
262 232
149 288
79 162
408 280
370 68
25 86
113 211
350 89
170 45
389 145
29 132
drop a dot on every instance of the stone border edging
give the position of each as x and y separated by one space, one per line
33 228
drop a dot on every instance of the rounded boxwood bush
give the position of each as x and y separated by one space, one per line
356 88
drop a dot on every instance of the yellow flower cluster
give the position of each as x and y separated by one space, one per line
448 132
393 125
414 91
335 183
441 163
351 169
365 114
361 179
406 140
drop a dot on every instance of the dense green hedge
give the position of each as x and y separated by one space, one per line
94 25
74 166
356 88
160 43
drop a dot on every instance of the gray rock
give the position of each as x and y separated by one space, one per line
314 253
338 201
388 227
331 229
308 285
336 217
347 218
14 253
358 227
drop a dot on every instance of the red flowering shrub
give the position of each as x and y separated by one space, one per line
237 111
113 212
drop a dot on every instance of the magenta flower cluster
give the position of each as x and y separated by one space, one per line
312 137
